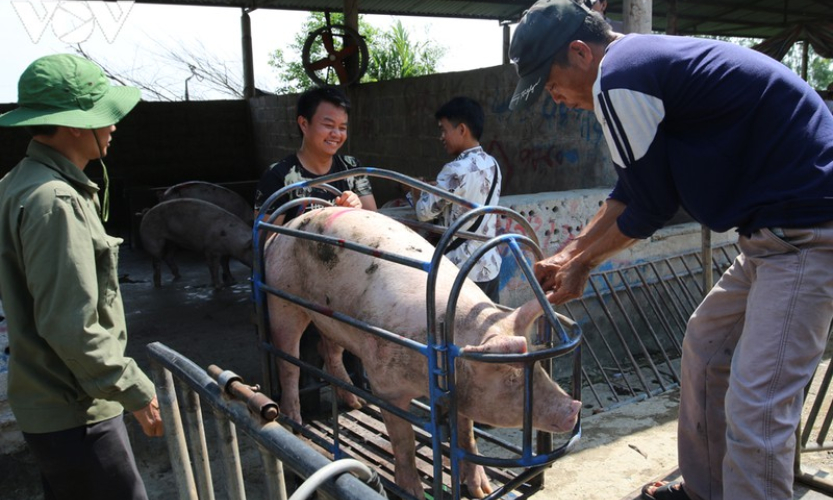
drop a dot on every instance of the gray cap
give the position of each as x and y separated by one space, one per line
543 30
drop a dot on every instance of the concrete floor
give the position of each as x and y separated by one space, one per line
629 447
619 452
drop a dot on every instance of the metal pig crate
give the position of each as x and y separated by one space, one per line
518 467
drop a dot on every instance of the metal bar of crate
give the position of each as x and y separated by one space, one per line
192 412
174 432
812 437
230 451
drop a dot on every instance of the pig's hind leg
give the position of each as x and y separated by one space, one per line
213 261
160 250
168 256
334 364
228 279
157 272
287 323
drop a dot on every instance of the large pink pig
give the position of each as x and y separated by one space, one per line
392 296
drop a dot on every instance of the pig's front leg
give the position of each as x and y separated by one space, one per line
404 451
287 323
472 475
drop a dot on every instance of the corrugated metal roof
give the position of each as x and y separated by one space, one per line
746 18
485 9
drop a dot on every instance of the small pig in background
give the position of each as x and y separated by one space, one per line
212 193
199 226
392 296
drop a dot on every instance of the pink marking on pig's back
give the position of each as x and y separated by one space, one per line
335 215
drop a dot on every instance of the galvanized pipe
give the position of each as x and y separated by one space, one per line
174 433
230 451
273 469
196 438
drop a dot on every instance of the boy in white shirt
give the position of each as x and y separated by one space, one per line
473 175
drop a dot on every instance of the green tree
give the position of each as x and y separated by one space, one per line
819 69
392 54
396 56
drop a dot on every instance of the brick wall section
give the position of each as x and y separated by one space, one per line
160 144
392 126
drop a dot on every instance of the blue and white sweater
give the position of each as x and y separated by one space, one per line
729 134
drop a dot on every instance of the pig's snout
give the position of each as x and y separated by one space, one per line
566 420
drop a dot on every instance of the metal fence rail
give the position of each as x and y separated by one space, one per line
633 319
813 432
253 415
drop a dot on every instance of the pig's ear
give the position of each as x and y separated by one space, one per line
500 344
523 318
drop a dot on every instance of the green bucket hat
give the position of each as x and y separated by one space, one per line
71 91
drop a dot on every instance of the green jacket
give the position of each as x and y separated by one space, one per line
60 292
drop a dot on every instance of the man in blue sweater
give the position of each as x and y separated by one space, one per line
738 141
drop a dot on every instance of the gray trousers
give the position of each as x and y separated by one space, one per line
93 462
749 350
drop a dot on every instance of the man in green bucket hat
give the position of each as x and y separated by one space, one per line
69 380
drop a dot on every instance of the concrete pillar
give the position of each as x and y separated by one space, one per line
248 57
351 14
351 20
671 18
636 15
506 42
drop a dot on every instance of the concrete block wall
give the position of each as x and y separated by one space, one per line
162 143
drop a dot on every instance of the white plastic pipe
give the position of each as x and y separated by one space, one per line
359 469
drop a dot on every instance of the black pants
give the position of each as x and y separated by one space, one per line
491 288
90 463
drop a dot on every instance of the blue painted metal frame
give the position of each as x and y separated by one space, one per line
439 350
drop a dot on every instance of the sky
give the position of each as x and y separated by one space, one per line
128 37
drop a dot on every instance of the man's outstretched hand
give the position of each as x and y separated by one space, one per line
561 281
